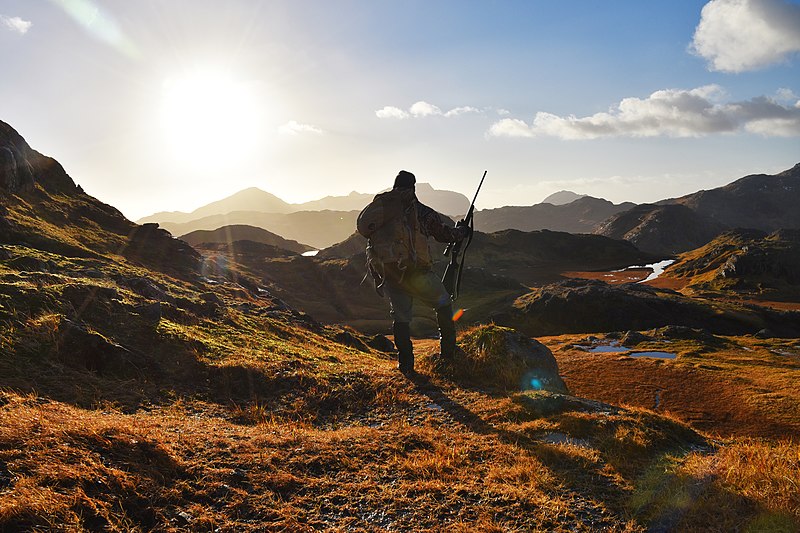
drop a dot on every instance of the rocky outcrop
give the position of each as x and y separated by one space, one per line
156 248
744 258
21 167
776 256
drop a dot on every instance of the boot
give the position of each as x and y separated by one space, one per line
405 350
447 332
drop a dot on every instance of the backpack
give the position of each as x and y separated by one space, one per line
393 234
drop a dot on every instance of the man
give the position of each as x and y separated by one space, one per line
398 227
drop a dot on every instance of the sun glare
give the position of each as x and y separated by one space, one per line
209 119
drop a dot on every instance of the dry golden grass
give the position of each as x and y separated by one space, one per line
732 386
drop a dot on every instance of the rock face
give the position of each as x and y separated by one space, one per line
662 229
21 166
775 256
506 359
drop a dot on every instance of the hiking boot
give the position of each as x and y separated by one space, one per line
407 371
405 349
447 331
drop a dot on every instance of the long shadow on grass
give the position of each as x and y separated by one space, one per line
659 500
577 474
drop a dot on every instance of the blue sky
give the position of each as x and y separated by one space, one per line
168 105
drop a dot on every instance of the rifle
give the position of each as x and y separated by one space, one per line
452 274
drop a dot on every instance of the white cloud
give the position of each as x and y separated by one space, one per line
391 112
16 24
461 111
295 128
423 109
670 113
740 35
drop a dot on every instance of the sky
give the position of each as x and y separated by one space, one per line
165 105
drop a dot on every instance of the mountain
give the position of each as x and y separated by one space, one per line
233 233
320 223
759 201
661 229
252 199
562 197
355 201
446 202
579 216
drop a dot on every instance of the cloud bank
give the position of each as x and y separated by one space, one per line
15 24
668 113
741 35
422 109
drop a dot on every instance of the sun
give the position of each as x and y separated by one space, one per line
209 119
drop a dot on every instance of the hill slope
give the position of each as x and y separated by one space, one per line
760 201
661 229
238 232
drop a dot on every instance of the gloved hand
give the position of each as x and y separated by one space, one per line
464 230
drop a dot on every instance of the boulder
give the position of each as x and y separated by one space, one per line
495 356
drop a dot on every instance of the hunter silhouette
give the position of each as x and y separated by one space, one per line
398 227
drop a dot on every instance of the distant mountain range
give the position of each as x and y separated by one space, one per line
322 223
579 216
670 226
317 224
759 201
256 200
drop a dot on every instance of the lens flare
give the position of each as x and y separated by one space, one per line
458 314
